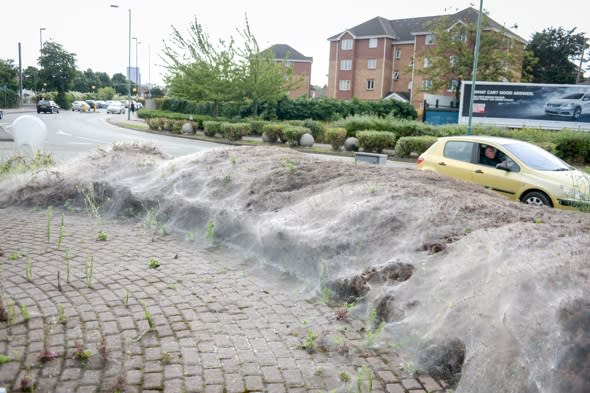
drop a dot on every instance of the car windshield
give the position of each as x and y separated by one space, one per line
576 96
536 158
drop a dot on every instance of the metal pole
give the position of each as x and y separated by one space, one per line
149 71
129 73
474 71
41 38
20 77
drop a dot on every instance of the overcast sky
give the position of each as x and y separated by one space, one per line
98 34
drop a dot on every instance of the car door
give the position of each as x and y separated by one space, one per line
506 182
457 159
586 104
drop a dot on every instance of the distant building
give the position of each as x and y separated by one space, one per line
134 75
376 58
300 64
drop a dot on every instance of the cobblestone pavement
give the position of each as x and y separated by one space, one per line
216 325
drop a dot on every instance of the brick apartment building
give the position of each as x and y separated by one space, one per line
300 64
376 58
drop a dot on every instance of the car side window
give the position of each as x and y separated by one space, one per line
459 150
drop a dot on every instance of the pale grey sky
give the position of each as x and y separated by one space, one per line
98 34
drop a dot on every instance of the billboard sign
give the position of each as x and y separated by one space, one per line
527 105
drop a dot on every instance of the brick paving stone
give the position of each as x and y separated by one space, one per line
394 388
224 328
234 383
173 385
429 384
152 381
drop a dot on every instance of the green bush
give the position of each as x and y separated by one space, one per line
293 134
316 128
407 145
336 136
256 126
167 124
211 128
274 131
375 141
235 131
154 123
573 146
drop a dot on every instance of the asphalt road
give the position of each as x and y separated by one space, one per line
70 134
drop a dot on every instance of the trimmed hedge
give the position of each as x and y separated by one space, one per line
407 145
211 128
234 131
376 141
336 136
293 134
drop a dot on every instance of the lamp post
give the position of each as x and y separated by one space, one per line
137 66
128 66
474 71
41 37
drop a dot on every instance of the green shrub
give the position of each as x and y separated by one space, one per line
166 124
316 128
336 136
177 126
256 126
407 145
154 123
376 141
211 128
235 131
274 131
293 134
573 146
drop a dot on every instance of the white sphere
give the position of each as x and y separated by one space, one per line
306 140
29 130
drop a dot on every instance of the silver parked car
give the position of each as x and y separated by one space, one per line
116 107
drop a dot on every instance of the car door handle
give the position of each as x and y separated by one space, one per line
479 171
442 164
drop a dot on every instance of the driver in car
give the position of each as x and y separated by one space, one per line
490 156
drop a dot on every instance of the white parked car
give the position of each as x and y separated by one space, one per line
80 106
116 107
572 105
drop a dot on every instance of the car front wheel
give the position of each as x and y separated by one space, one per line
577 113
536 198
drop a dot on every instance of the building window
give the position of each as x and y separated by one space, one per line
430 39
452 86
427 62
346 44
371 84
426 84
372 64
344 85
398 54
373 42
345 65
395 75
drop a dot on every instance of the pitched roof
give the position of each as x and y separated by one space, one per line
404 29
285 52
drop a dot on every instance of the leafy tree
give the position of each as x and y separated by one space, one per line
199 70
119 83
31 78
261 77
103 79
451 58
156 92
58 68
8 83
556 55
106 93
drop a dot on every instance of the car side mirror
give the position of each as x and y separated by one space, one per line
503 166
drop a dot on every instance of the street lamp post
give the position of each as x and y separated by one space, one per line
474 71
41 37
128 66
137 66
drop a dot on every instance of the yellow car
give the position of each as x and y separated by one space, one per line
518 170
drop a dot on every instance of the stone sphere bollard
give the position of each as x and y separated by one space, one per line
29 130
306 140
351 144
187 128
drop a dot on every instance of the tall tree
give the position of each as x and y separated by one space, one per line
119 82
58 68
8 74
450 59
197 69
31 78
556 55
261 77
201 71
